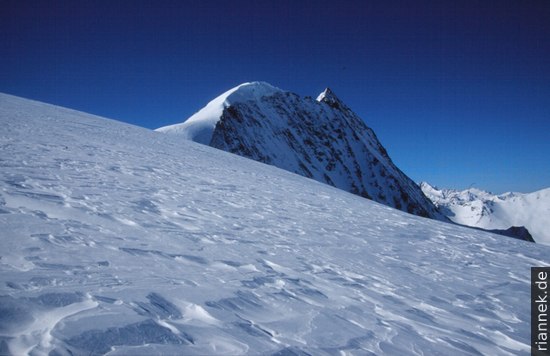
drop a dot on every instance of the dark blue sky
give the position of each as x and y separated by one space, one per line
457 91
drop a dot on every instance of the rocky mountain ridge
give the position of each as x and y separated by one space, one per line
321 139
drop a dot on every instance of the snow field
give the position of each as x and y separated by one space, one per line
119 240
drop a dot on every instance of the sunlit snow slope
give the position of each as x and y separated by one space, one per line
119 240
474 207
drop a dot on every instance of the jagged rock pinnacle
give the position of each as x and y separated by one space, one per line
330 98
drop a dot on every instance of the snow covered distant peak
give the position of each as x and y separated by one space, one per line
428 188
443 196
200 126
427 185
478 208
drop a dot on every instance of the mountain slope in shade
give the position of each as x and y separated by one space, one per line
115 239
320 139
474 207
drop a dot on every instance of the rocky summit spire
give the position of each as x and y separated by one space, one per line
331 99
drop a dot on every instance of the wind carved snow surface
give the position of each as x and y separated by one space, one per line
120 240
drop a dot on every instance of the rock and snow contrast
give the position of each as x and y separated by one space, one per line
478 208
119 240
320 139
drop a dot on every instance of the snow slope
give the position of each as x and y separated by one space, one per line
116 239
320 139
474 207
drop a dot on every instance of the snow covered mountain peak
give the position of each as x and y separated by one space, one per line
247 91
479 208
323 140
441 196
428 188
200 126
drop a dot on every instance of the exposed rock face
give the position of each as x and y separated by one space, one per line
320 139
518 232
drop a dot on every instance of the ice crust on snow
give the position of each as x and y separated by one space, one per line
118 240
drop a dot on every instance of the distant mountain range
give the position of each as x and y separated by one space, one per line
321 138
478 208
